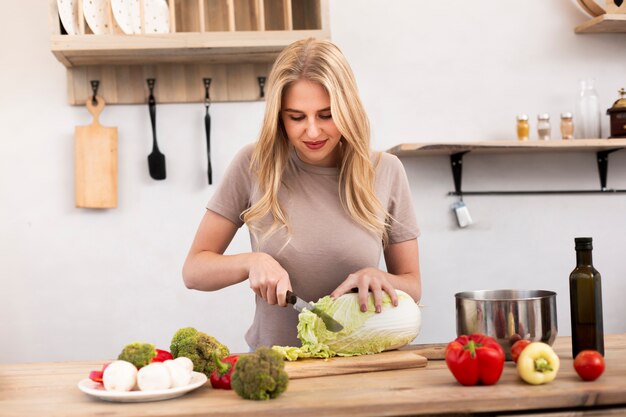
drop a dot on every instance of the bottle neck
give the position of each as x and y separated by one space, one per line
583 257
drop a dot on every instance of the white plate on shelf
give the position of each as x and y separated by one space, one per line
68 12
157 16
96 389
127 14
97 15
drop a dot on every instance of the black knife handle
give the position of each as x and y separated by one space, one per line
152 107
291 298
207 128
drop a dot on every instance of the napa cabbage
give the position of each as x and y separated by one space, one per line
363 332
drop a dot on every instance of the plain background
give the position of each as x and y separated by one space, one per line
80 284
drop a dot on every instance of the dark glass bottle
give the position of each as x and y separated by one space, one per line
585 291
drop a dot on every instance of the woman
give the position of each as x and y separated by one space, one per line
320 206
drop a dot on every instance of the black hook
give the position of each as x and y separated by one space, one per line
151 82
94 87
261 86
207 96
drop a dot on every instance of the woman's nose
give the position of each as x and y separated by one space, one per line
312 130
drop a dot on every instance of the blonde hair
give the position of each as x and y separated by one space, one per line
322 62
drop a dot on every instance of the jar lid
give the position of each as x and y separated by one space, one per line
522 117
543 116
566 115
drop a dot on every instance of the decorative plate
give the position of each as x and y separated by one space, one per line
157 16
97 16
128 16
591 7
68 12
96 389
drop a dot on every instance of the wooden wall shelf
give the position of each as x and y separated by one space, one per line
456 150
605 23
506 146
233 42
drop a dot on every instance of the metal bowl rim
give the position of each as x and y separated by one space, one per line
482 295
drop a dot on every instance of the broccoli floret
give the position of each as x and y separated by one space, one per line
260 375
138 353
198 347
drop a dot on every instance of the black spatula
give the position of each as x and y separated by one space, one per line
156 160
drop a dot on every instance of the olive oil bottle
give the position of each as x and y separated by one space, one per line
585 292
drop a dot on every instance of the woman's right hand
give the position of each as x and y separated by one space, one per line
268 279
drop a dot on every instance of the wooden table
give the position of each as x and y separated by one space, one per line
49 389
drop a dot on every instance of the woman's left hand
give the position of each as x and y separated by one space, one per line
368 280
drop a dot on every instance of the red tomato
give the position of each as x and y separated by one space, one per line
517 348
589 365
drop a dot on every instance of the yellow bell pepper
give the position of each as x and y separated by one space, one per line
538 364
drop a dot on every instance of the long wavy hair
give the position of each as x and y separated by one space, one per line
322 62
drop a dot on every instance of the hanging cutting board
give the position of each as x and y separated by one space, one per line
385 361
95 158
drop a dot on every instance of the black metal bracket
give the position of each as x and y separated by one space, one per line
456 163
603 166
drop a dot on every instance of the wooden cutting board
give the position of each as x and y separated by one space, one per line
95 161
385 361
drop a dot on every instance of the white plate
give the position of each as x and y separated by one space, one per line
157 16
97 390
97 15
127 14
68 12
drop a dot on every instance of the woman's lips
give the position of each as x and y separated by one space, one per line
316 144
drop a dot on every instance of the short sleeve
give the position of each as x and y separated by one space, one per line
403 223
232 196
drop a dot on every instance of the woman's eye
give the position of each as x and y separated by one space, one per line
326 116
296 119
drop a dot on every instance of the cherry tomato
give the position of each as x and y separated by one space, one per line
517 348
589 365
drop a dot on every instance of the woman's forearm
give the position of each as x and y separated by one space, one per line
209 271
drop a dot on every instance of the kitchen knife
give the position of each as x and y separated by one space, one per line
299 304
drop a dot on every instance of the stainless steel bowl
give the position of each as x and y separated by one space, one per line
508 315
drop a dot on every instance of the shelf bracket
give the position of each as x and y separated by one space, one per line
456 163
603 165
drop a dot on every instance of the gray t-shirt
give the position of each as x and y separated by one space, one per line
325 244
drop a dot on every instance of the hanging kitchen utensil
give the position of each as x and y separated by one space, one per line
207 127
95 159
156 160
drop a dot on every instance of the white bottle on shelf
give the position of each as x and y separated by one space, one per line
587 112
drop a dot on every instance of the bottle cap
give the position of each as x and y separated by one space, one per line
566 115
543 116
583 243
522 117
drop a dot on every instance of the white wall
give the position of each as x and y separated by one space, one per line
79 284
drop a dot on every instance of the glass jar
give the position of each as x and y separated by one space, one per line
587 112
522 127
543 126
567 126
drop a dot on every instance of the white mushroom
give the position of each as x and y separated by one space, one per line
119 376
184 362
180 375
154 377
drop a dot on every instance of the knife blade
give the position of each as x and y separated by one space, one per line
299 304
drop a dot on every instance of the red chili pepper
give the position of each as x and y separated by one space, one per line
162 356
475 359
220 378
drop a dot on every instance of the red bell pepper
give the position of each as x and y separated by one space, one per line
475 359
162 356
96 376
220 378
